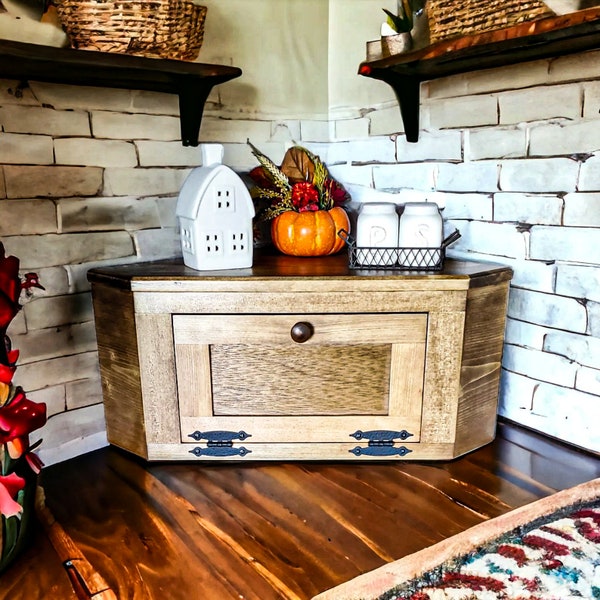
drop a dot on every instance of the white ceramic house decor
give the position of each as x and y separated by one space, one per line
215 214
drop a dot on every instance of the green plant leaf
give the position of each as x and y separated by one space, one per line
400 23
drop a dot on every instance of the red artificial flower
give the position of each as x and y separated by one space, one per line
20 417
6 373
10 486
10 288
305 197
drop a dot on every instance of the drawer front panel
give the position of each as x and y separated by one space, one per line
241 372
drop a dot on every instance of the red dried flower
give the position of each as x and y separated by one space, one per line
305 197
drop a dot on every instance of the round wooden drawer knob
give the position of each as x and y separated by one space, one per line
301 332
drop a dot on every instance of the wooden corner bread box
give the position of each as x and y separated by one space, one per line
300 358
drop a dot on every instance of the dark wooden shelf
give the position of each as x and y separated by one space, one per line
546 38
192 82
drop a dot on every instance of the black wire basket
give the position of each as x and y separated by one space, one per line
399 259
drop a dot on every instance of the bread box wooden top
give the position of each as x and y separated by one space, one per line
272 272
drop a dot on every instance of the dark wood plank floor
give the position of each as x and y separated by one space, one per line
274 531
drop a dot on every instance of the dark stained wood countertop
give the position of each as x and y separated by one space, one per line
269 265
274 531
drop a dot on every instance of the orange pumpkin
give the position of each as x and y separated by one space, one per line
310 233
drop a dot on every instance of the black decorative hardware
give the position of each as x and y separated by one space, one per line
381 435
220 451
380 443
383 450
301 332
219 443
219 436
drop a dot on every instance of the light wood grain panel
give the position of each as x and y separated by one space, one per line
252 379
274 330
442 376
158 382
194 379
286 302
119 368
334 451
371 282
481 365
301 429
407 372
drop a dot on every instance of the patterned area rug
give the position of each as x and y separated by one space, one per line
548 550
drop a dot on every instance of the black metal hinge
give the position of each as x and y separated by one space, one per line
380 443
219 443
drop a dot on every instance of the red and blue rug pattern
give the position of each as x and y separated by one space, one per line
556 557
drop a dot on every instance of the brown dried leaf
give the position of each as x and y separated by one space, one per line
297 165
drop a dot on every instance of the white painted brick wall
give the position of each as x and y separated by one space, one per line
564 138
49 250
46 121
495 142
466 111
573 244
439 145
134 126
588 380
528 208
22 217
20 149
582 210
143 182
167 154
52 181
498 239
560 412
539 365
578 281
593 310
547 309
526 335
96 153
474 176
541 175
589 180
517 106
94 214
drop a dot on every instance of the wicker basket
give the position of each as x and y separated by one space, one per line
449 19
153 28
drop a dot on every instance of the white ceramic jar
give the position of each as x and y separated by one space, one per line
421 226
377 227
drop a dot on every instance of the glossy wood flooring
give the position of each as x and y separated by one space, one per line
274 531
